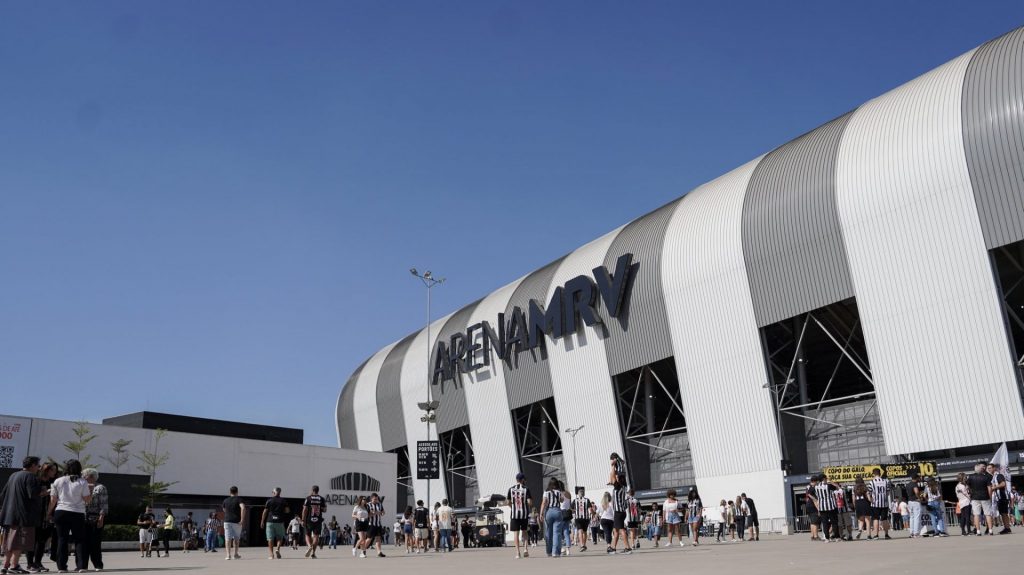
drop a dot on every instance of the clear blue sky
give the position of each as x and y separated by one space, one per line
210 208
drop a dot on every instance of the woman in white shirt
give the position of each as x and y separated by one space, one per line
673 520
68 497
963 502
361 517
607 520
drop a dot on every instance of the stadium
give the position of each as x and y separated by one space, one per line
853 296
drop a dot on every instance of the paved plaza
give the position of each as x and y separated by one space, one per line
772 555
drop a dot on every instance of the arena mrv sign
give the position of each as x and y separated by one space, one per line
576 300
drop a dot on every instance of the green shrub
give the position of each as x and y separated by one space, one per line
121 533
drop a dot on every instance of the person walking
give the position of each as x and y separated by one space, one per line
551 517
467 533
672 518
581 516
166 530
19 513
361 519
656 515
44 531
607 514
188 533
70 494
420 522
879 495
375 528
632 519
595 524
619 518
520 502
444 521
272 522
1000 490
333 530
313 509
723 512
95 516
695 514
753 524
210 531
234 517
567 519
731 518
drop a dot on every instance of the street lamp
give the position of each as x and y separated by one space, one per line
430 408
572 431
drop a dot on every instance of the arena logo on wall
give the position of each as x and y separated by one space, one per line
576 300
353 486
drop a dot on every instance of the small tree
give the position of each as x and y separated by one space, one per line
118 454
77 446
150 463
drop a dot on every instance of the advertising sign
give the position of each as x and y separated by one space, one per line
891 471
428 459
14 433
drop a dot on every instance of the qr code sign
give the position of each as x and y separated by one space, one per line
6 456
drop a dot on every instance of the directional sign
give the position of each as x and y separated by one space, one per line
428 459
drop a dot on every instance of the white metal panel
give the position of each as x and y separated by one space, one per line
414 390
729 415
925 291
766 488
490 418
581 383
364 402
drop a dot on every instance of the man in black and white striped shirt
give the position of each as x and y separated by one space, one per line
520 503
619 507
880 494
824 499
375 513
632 519
581 517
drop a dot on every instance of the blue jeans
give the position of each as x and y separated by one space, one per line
553 532
334 538
566 533
915 518
211 540
446 539
938 512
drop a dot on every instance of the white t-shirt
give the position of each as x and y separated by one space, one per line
70 494
671 509
607 512
295 525
397 526
904 508
444 516
963 495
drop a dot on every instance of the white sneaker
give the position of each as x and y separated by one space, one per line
362 555
681 544
354 551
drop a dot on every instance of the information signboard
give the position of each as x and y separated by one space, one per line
428 459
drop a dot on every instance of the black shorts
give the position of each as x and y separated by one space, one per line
518 524
312 528
814 518
863 508
362 526
619 522
752 521
374 531
1003 506
632 524
582 523
880 513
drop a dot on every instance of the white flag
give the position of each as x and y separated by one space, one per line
1001 460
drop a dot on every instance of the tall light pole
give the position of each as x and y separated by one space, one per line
572 431
430 408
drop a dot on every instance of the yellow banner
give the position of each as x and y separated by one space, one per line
891 471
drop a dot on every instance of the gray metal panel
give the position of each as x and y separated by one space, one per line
452 412
389 396
640 334
993 125
792 242
530 382
346 418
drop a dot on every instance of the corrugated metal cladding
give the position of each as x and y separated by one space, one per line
452 412
581 383
640 335
925 290
717 348
993 120
530 382
792 241
346 420
389 396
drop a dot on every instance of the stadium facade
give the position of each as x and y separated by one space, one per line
854 295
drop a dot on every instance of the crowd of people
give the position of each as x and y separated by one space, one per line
62 512
984 499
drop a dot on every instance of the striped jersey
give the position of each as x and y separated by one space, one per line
376 511
632 509
519 501
619 499
656 517
881 490
826 499
581 508
553 498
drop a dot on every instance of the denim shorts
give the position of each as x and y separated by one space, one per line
232 531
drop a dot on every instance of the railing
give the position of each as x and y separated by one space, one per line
801 524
